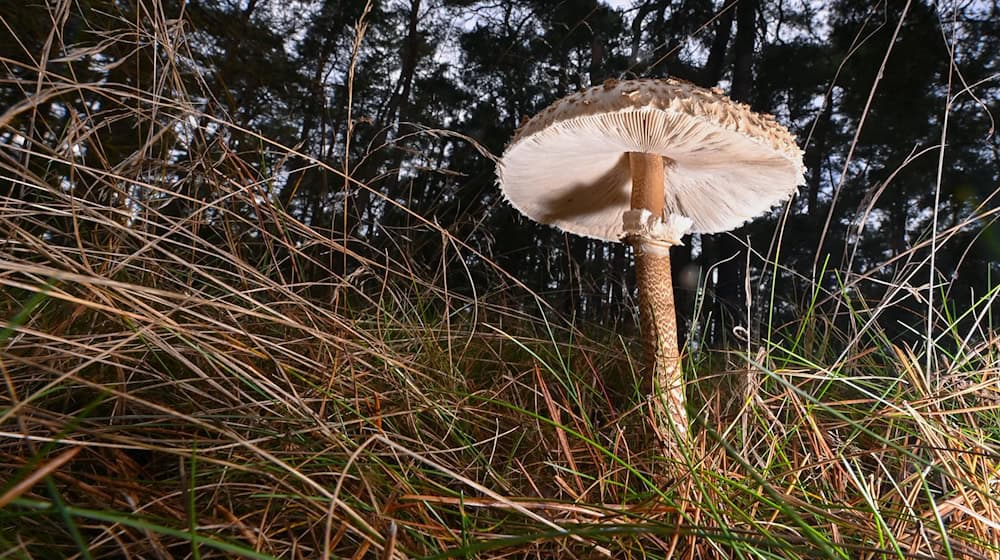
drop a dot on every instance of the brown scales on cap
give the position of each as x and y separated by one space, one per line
668 94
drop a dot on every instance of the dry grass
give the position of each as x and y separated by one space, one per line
180 384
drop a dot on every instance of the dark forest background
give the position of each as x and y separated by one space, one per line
414 99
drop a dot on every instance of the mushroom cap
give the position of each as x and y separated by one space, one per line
568 166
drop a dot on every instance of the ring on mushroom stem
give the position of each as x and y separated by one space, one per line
647 161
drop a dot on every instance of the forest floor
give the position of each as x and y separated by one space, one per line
215 382
164 396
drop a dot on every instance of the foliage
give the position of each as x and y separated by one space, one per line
262 298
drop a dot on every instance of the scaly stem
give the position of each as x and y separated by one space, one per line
656 302
659 332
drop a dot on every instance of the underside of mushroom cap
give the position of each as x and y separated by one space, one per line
568 166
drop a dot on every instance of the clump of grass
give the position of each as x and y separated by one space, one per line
216 382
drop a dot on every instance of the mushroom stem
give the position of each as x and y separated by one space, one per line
647 182
656 301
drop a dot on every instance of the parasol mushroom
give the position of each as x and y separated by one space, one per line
647 161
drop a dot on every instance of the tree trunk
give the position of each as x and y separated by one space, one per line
715 64
596 60
729 296
396 111
814 156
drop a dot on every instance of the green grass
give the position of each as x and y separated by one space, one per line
169 391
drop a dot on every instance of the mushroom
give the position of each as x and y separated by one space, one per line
647 161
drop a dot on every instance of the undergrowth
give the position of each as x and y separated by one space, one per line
217 383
